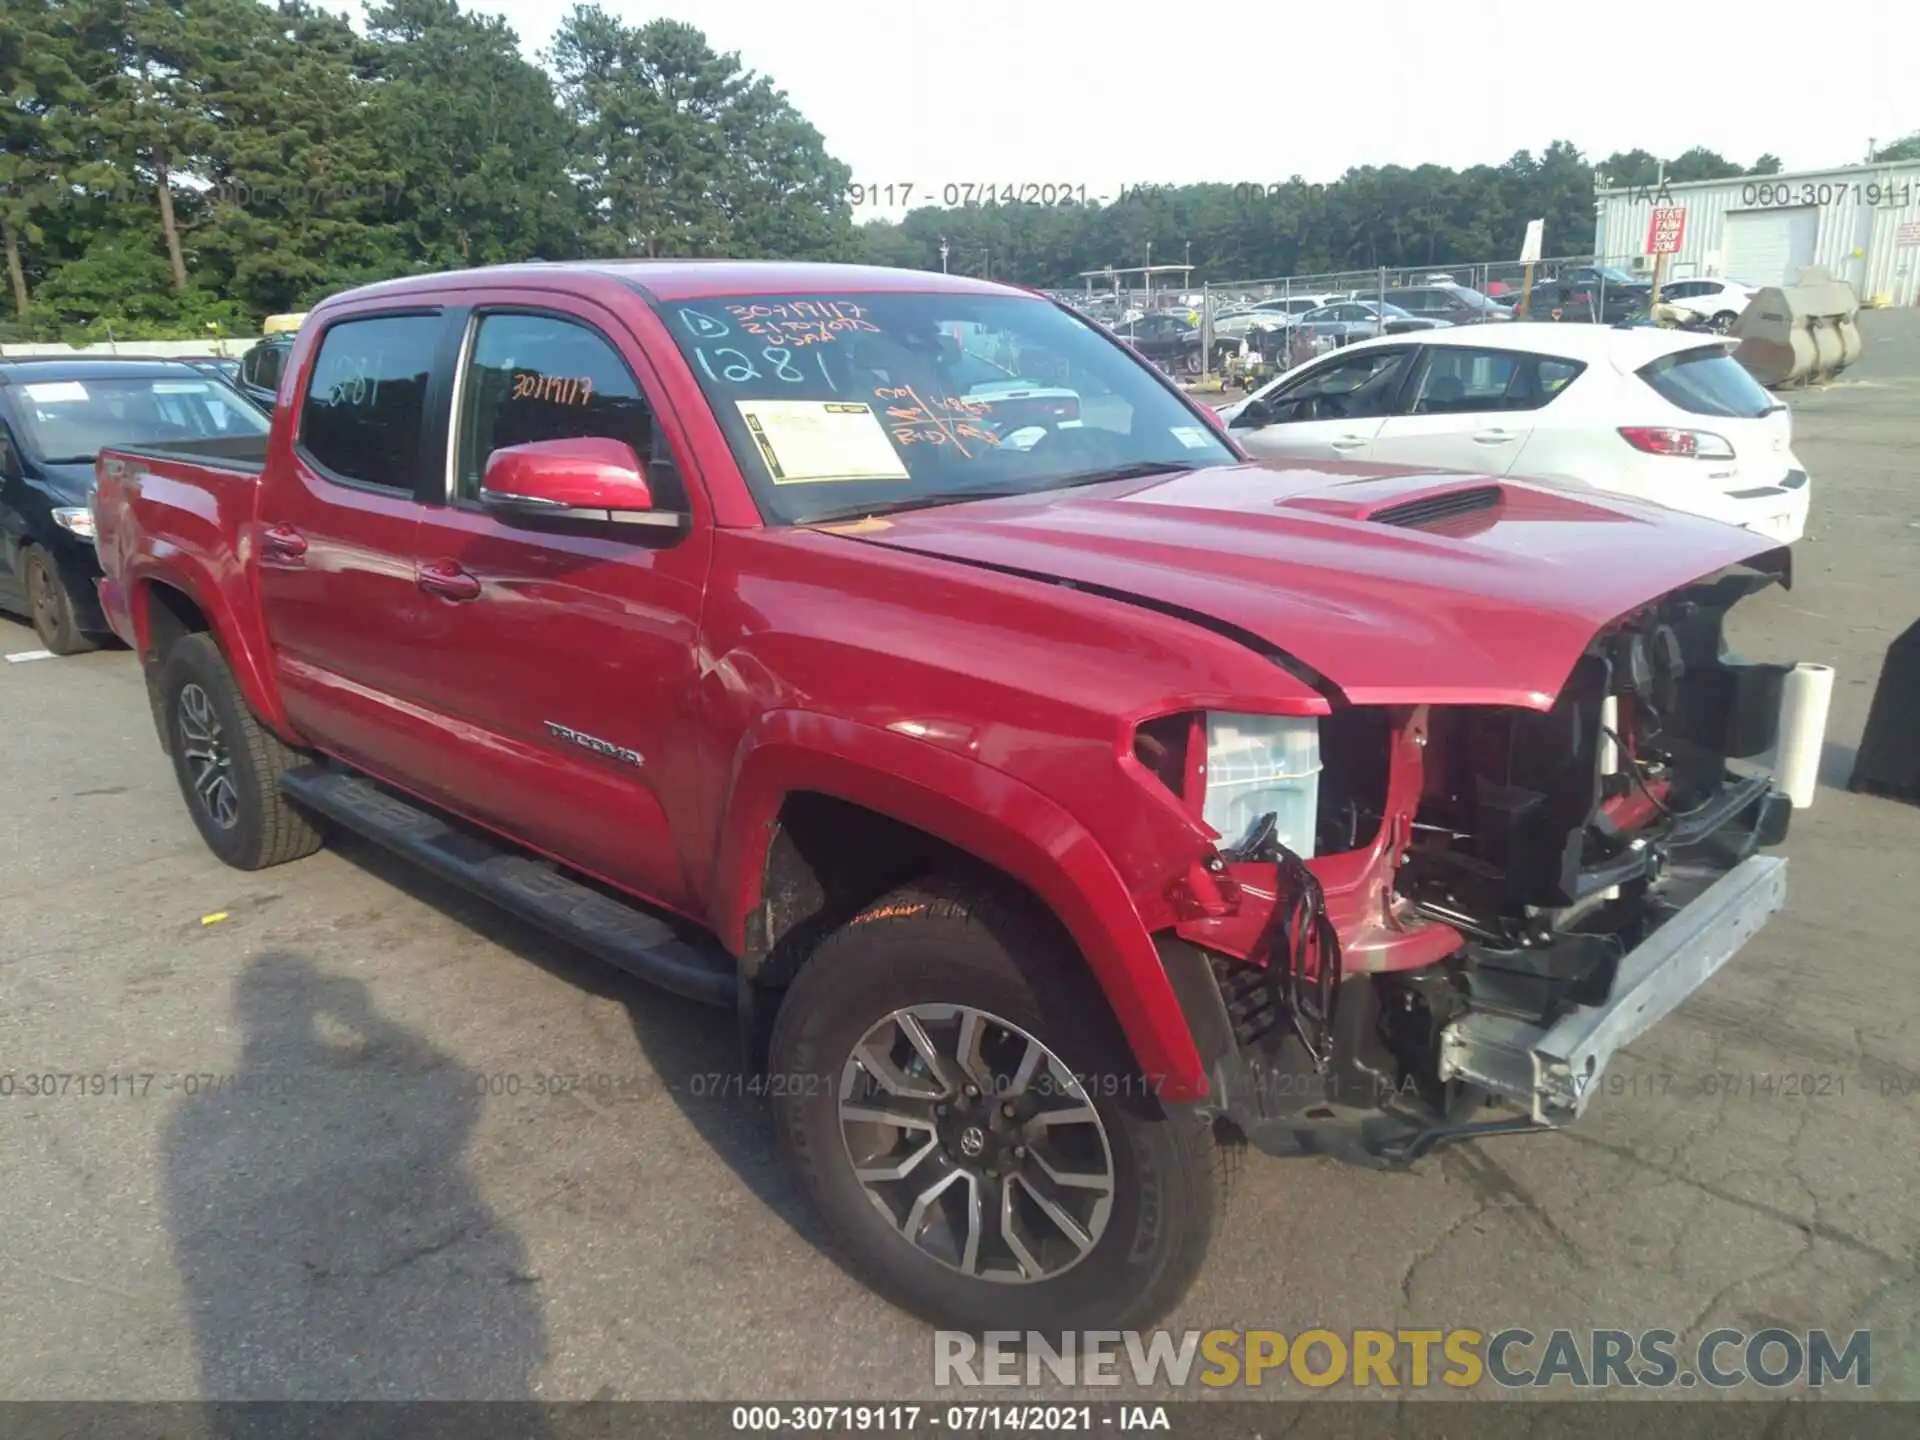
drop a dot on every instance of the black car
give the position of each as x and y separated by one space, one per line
1172 341
1585 300
1455 304
261 368
55 416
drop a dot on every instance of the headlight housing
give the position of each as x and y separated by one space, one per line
75 520
1259 765
1254 765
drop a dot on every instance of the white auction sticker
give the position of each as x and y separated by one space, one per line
811 442
1191 436
179 387
55 392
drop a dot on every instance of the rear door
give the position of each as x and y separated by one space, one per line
337 531
1331 409
1466 409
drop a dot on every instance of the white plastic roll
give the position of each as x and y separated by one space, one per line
1610 754
1803 729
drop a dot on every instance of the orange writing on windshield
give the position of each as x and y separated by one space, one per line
556 389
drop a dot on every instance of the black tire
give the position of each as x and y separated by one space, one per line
51 606
953 942
255 825
1723 322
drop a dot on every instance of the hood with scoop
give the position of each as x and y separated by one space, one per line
1393 585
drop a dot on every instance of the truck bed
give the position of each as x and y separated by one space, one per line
244 453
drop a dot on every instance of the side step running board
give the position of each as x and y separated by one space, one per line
626 936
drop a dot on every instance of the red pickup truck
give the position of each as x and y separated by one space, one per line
1064 801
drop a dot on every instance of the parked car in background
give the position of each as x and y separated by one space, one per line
1718 302
1456 304
1583 302
55 416
1172 340
225 368
1660 415
1050 818
262 366
1350 320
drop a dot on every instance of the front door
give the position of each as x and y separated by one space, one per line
570 659
1329 410
1467 410
335 537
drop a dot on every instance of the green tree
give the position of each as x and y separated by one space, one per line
471 131
686 153
37 80
296 182
1907 147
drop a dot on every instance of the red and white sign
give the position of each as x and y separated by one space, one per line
1664 228
1908 234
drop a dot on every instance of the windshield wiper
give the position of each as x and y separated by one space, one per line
1137 471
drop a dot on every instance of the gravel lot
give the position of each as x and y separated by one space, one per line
339 1208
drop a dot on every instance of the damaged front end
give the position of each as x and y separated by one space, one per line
1497 900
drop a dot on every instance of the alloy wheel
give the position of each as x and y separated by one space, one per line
209 759
976 1143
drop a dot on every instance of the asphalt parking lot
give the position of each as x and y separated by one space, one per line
322 1166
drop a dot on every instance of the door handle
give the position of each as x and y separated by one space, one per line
1347 442
284 541
1494 437
448 581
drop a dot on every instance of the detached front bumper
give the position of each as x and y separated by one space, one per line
1552 1072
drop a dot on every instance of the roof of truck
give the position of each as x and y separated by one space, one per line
682 279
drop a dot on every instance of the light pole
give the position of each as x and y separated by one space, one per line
943 254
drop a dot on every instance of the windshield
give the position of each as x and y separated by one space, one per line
837 405
68 422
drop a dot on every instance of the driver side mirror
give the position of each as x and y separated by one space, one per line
1257 415
590 478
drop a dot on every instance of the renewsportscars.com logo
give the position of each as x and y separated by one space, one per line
1514 1358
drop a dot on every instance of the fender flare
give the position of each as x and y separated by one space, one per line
166 564
986 814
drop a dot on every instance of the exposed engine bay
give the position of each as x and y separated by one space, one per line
1562 854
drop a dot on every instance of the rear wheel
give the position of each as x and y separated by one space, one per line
228 764
1723 322
51 605
957 1103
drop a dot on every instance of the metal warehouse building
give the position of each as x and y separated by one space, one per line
1862 222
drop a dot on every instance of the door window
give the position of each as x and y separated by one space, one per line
1354 387
1459 381
538 377
367 399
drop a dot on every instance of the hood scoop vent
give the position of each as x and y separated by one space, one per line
1437 509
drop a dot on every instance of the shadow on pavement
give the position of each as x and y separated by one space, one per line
330 1240
693 1049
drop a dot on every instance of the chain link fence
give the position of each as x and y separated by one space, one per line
1252 329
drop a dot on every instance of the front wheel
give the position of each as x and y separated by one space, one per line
955 1100
1723 322
229 765
51 603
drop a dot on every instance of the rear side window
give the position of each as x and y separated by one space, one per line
367 399
1707 381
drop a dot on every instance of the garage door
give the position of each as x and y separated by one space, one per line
1768 247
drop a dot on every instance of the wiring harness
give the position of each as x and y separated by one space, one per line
1303 947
